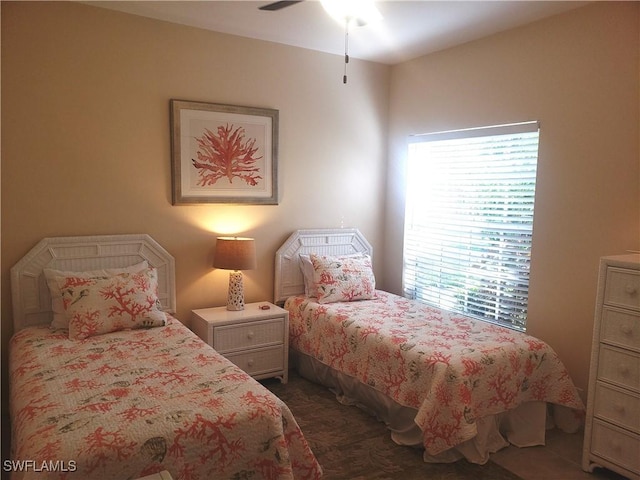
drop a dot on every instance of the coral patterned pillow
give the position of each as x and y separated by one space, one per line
102 305
310 288
60 319
343 279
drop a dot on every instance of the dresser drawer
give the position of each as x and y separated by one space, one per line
620 327
246 335
617 406
260 361
620 367
616 445
622 288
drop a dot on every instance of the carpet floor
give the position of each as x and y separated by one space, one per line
351 444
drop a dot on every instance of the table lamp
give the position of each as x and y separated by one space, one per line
235 253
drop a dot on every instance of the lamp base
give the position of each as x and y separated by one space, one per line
235 297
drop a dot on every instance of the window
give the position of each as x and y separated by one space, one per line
469 221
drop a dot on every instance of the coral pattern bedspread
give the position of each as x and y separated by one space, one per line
131 403
449 367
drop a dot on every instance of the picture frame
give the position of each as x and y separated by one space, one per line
223 153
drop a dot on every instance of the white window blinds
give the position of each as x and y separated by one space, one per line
469 220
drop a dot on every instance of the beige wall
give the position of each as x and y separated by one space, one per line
578 74
86 146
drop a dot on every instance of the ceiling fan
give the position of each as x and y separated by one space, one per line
279 5
357 12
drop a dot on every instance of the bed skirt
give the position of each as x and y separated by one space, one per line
524 426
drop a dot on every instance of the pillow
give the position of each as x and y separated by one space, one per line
307 275
101 305
60 319
343 279
310 289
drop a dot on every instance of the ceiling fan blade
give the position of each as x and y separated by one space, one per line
278 5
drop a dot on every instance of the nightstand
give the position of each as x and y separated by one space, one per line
255 339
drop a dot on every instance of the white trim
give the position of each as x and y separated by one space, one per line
507 129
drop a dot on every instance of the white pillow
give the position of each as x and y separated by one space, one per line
60 318
307 275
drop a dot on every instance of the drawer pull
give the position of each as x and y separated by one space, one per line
630 289
619 408
623 368
626 329
250 362
250 335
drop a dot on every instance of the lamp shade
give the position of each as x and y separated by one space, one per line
235 253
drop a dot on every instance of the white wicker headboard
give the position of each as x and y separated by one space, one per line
288 276
30 295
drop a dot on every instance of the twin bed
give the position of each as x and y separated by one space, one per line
459 387
99 398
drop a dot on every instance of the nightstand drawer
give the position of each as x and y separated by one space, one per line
620 367
259 361
616 445
623 288
228 338
617 406
621 328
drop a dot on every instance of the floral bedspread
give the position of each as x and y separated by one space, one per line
128 404
451 368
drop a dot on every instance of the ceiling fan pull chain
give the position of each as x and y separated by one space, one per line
346 49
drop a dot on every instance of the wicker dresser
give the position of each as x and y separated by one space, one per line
612 427
256 339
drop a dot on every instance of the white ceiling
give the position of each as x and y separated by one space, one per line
408 30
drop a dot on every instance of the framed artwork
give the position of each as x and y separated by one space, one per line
223 153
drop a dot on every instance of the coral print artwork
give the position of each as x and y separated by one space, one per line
223 153
227 155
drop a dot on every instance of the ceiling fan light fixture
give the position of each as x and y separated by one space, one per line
356 12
